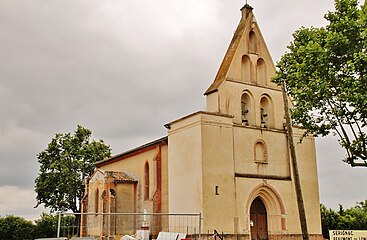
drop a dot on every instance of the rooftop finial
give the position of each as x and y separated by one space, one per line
246 10
247 5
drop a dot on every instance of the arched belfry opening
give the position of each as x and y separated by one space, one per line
266 112
252 47
261 72
246 69
247 109
258 220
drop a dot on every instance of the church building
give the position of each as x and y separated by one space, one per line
229 162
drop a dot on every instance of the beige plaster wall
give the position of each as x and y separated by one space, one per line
185 166
306 155
201 160
125 198
218 169
212 102
277 150
125 202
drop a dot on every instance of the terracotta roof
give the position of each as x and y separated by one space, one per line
121 176
132 151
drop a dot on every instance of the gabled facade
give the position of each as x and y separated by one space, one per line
231 162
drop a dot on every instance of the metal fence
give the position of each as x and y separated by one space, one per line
143 226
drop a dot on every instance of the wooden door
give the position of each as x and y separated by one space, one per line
258 220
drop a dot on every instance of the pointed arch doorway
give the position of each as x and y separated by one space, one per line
258 220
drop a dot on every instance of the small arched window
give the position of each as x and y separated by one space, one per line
146 181
252 42
261 72
96 201
260 152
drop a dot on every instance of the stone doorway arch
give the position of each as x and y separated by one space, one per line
273 206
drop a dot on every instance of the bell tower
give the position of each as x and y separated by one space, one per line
243 90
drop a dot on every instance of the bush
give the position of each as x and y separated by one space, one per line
14 228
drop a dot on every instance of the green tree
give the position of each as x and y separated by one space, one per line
325 73
354 218
358 213
64 164
46 226
16 228
329 220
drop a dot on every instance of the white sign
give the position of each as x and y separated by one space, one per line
348 234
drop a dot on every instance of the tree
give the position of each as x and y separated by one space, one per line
64 164
46 226
359 216
16 228
329 220
325 73
354 218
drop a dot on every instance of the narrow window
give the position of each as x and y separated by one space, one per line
146 181
96 201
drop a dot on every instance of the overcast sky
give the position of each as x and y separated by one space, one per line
124 68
